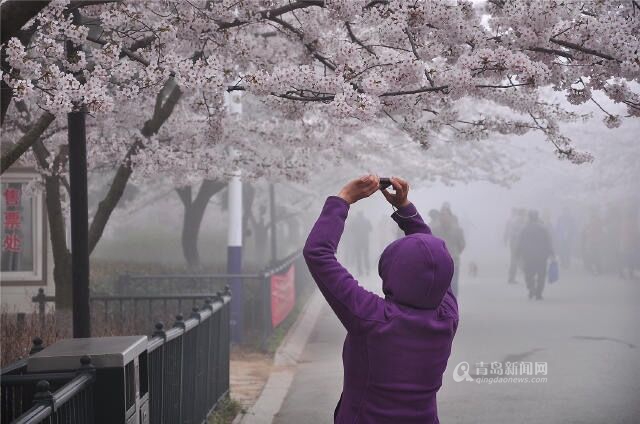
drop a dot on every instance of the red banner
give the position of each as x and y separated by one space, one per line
283 295
12 240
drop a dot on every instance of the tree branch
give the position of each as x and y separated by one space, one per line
552 51
207 190
126 52
503 86
375 3
6 92
416 91
185 195
582 49
14 14
273 13
141 43
82 3
412 41
120 180
357 41
26 141
314 52
326 98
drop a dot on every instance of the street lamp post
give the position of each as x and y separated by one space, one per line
78 199
79 223
234 257
234 249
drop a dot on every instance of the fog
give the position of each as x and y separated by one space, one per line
225 143
583 328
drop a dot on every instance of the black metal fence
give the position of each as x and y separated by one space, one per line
189 364
136 303
128 314
186 375
71 402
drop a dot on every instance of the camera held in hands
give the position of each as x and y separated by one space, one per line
385 182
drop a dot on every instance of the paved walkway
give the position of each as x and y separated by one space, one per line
317 384
585 329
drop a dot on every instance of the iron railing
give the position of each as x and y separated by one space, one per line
187 369
55 397
128 313
189 364
133 302
71 403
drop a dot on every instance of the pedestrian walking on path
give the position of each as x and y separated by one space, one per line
449 230
534 250
397 347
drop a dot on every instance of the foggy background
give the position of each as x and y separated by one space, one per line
585 328
582 327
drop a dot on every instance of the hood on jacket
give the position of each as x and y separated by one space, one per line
416 271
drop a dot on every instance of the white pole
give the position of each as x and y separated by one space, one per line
234 237
234 257
235 211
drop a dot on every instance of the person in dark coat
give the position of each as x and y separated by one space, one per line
397 346
534 251
449 230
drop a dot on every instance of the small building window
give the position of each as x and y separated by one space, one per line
23 240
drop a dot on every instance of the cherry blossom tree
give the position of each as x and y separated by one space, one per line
153 75
347 61
49 155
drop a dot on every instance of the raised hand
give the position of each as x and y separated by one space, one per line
401 191
358 189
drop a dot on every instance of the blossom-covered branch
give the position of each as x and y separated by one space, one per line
343 63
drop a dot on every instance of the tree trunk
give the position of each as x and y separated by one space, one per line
64 295
190 230
61 254
193 214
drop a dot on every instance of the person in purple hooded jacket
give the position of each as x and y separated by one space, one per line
397 347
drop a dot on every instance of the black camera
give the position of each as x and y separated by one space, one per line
385 182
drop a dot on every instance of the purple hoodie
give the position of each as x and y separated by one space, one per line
397 347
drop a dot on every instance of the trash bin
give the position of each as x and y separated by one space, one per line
121 388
